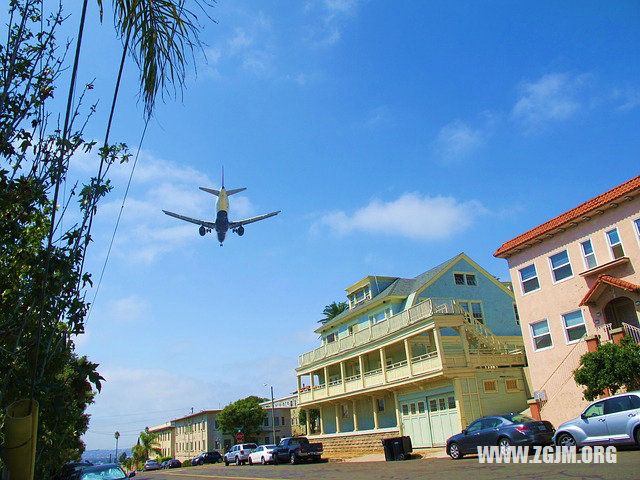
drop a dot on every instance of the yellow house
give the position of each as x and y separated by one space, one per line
419 356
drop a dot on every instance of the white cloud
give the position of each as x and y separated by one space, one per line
553 97
129 309
627 98
379 116
332 14
411 215
457 140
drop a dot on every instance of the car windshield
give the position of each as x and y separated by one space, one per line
151 462
303 441
517 418
270 446
106 473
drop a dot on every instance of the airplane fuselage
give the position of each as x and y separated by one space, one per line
222 215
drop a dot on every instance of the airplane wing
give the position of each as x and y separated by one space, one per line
211 225
252 219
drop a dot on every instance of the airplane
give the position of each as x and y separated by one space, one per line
222 224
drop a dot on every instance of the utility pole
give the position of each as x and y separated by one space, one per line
117 436
273 425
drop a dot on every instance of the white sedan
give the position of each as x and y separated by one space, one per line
263 454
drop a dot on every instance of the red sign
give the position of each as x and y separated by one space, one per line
239 437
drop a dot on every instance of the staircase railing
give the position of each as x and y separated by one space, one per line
631 331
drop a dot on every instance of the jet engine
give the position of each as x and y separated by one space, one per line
240 230
203 231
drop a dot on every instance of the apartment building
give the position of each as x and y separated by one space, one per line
279 419
187 437
166 438
419 356
576 280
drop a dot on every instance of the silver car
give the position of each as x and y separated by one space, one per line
614 420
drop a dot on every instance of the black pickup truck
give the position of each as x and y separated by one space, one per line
295 449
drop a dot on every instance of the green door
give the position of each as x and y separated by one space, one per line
444 418
415 422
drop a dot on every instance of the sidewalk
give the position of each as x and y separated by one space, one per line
379 456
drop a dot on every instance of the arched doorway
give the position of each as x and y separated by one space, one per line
621 310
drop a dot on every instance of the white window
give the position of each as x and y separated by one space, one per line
617 251
465 305
471 279
574 326
529 279
350 330
541 335
331 338
560 266
476 310
516 314
380 402
379 317
636 224
588 254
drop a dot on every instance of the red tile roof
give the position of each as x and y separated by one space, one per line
573 214
608 280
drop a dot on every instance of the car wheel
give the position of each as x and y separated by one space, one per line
565 440
454 451
262 461
238 462
275 459
250 461
504 443
293 459
637 435
226 462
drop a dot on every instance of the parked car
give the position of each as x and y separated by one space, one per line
295 449
110 471
150 465
68 471
207 457
613 420
263 454
239 454
502 430
173 464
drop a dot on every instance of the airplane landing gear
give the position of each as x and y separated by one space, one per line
203 231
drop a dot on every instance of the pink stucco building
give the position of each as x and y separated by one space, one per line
576 278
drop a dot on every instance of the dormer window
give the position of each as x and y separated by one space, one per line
360 296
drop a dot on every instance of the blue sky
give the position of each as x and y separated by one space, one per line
391 135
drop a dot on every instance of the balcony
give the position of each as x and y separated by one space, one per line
422 311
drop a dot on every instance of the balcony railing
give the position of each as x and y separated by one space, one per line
631 331
426 309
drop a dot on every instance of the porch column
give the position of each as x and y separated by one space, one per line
311 384
307 430
342 376
326 380
383 363
407 352
361 364
438 340
355 415
337 418
299 386
321 420
376 423
397 409
465 344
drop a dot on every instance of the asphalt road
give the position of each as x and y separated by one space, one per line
627 467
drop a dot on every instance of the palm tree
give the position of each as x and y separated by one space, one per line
148 442
333 310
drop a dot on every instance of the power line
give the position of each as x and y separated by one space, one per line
140 413
115 230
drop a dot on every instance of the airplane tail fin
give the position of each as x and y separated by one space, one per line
237 190
210 190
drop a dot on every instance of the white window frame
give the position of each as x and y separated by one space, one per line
475 279
335 337
533 337
552 270
584 255
464 281
636 228
529 279
483 318
608 240
564 327
372 318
